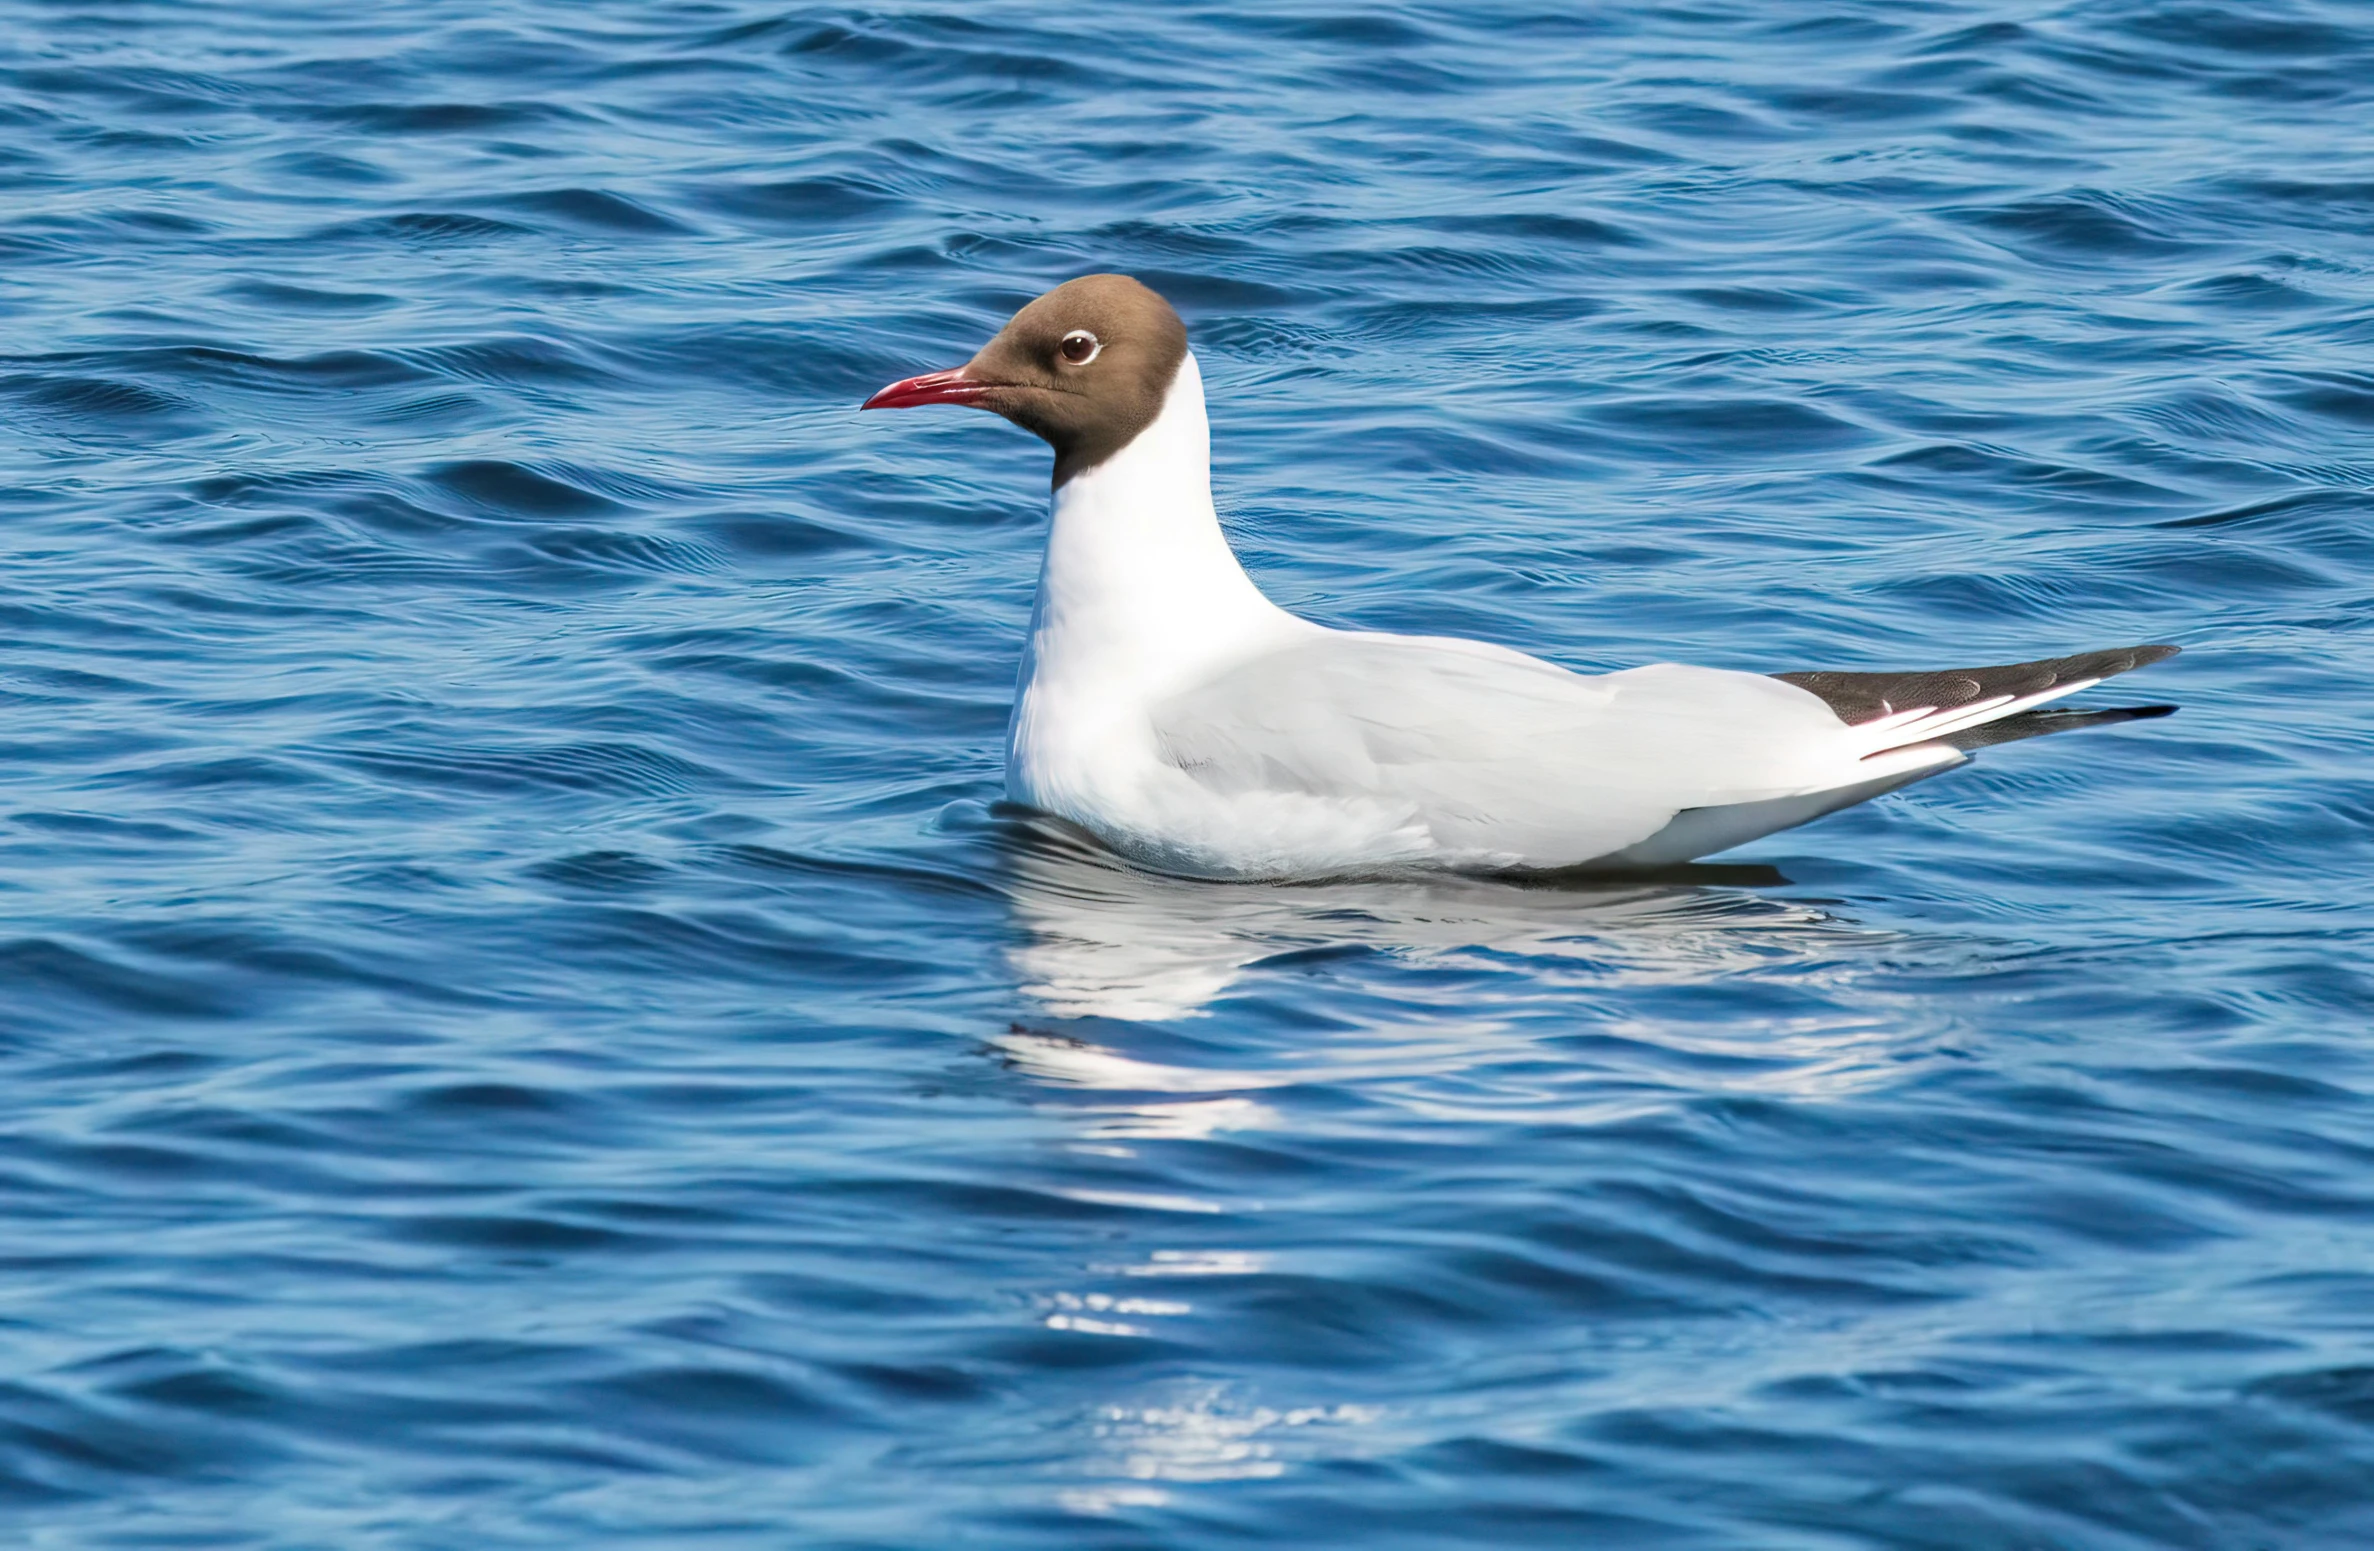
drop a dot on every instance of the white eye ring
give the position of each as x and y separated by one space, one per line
1079 347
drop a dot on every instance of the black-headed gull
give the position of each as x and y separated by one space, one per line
1172 711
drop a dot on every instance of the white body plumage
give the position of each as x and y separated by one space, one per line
1170 709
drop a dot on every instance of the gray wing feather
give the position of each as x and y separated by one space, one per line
1491 750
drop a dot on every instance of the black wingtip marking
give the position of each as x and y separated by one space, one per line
2037 723
1859 697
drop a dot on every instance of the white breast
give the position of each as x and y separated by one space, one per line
1139 597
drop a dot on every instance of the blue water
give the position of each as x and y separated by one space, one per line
523 1024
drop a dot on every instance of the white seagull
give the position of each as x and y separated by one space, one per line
1175 713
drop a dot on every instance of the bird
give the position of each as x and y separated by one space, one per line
1168 708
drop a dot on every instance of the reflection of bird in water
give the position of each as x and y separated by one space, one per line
1102 939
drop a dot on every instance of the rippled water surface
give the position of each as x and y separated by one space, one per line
522 1023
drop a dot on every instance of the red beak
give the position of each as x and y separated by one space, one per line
948 387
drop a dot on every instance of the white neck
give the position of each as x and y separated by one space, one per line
1140 589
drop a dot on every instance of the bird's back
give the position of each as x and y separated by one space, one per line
1456 753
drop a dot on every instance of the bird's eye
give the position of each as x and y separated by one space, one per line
1079 347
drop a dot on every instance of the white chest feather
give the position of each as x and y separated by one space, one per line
1139 597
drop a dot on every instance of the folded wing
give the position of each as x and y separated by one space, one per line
1461 753
1496 758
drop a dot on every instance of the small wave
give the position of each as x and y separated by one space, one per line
596 210
427 228
618 769
500 487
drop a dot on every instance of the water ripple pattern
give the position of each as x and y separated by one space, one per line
524 1024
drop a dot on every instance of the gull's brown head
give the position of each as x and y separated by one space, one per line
1085 368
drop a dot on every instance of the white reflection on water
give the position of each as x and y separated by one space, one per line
1100 939
1202 1433
1097 939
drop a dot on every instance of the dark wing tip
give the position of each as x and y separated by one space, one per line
2037 723
1859 697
